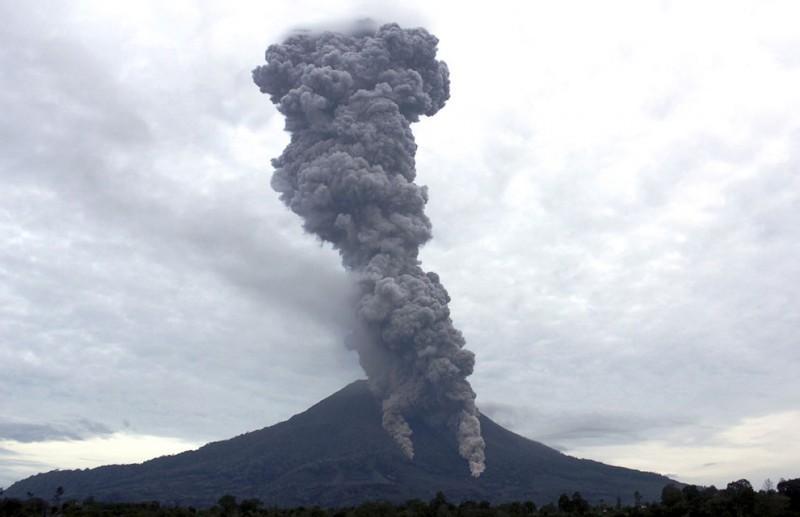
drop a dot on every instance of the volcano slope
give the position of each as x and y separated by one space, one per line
337 454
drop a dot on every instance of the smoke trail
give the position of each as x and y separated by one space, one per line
349 100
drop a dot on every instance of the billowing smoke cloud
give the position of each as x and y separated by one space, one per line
349 170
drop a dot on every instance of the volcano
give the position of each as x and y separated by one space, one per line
337 454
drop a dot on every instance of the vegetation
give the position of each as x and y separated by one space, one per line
738 499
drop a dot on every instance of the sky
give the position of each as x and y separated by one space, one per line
613 186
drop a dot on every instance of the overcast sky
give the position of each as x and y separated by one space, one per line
614 189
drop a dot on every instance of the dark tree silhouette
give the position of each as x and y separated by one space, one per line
564 504
791 489
671 495
742 496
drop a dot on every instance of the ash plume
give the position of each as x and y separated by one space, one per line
348 171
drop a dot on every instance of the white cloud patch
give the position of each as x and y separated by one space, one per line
761 446
22 459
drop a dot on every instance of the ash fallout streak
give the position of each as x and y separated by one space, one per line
348 171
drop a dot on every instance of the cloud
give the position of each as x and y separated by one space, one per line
614 217
26 432
761 446
27 458
143 252
568 429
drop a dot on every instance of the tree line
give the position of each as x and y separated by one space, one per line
738 499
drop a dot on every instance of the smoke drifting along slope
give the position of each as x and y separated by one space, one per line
349 170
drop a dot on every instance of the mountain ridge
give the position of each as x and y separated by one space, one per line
336 453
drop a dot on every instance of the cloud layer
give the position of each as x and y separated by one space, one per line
614 196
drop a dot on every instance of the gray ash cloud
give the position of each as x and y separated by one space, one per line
348 171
